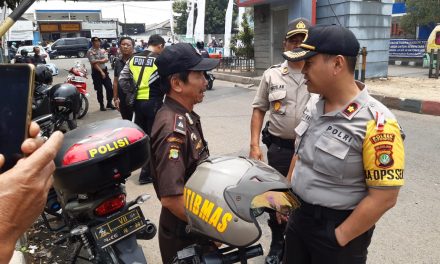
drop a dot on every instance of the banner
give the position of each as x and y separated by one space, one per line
199 31
407 48
228 27
190 21
21 35
103 33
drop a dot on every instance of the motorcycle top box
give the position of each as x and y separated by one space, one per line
99 155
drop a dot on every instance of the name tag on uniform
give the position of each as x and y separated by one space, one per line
139 61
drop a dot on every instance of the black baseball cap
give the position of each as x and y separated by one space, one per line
182 57
333 40
95 39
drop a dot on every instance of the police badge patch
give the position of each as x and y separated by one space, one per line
174 154
384 156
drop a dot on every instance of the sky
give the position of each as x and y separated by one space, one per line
148 12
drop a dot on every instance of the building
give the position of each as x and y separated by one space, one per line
370 21
55 24
162 28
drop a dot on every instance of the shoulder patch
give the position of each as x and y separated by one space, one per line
179 124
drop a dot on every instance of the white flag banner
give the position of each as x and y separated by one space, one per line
190 21
241 11
228 27
171 21
199 31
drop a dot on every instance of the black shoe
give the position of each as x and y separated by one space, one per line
111 106
145 180
102 108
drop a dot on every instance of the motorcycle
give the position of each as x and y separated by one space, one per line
77 76
53 107
91 169
210 78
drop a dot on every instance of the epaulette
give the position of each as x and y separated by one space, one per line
275 66
179 124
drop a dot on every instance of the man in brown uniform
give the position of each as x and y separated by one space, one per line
177 141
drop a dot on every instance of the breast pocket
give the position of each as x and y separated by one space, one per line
330 156
277 102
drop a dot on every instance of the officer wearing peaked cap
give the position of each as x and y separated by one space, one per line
349 160
177 140
283 93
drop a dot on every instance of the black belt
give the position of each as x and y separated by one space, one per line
321 212
281 142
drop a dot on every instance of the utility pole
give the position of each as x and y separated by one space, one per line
125 21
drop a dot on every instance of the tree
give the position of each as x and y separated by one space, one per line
420 13
181 9
242 44
215 11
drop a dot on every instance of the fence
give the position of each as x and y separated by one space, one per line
236 64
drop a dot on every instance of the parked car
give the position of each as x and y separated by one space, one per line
30 50
69 47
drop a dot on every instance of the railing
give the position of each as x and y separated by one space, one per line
236 64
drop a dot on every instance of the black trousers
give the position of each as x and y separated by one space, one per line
124 109
310 238
98 82
145 113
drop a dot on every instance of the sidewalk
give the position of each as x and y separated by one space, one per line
406 88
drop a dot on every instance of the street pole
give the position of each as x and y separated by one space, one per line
125 21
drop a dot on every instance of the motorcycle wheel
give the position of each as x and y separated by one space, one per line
84 106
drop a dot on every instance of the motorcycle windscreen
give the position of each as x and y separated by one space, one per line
282 202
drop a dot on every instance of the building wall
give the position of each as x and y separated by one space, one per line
262 34
370 21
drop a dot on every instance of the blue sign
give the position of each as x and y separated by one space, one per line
407 48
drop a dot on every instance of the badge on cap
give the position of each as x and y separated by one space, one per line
350 109
179 124
174 154
300 25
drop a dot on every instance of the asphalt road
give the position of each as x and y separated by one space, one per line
408 233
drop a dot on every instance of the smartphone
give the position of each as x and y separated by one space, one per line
16 92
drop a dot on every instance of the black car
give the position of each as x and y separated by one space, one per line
69 47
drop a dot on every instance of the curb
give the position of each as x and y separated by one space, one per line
409 105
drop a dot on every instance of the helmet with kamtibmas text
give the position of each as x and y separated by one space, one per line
225 195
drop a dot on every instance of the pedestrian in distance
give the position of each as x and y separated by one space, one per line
139 80
178 144
38 58
349 157
98 59
283 93
24 188
126 46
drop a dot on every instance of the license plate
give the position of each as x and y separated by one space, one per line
118 227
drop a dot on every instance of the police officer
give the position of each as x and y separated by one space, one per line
98 59
282 91
126 45
141 78
349 156
178 144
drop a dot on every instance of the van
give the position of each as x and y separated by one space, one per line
69 47
433 40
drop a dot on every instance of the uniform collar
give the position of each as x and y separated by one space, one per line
350 109
191 117
295 74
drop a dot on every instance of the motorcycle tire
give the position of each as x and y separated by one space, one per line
84 106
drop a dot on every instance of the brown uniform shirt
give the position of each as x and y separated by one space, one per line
177 148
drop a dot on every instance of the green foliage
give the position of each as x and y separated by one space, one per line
215 12
12 4
242 44
180 8
420 13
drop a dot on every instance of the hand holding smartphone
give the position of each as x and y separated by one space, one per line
16 92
